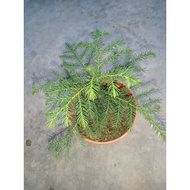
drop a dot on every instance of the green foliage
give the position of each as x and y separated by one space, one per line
62 143
85 96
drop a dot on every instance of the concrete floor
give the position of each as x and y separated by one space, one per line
138 162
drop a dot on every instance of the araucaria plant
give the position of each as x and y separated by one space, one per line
93 102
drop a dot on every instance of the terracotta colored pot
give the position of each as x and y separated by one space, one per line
112 141
121 85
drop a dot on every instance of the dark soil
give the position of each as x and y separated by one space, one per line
108 132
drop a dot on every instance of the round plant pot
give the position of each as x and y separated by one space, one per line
121 85
112 141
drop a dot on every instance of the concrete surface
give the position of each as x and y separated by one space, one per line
137 162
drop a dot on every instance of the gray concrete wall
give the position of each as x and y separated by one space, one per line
136 162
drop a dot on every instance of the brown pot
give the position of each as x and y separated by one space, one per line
120 85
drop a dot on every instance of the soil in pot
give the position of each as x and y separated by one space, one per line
109 131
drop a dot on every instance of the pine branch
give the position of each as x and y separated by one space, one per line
97 110
86 45
66 56
115 59
118 113
112 47
86 49
55 101
65 89
84 109
62 110
68 143
38 88
99 35
81 115
57 134
145 93
90 57
126 70
131 106
103 110
72 49
70 100
129 79
151 102
69 68
142 56
112 88
124 67
58 89
159 129
80 138
131 112
111 57
92 89
61 143
54 115
59 76
90 108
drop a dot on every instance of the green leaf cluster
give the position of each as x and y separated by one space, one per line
84 96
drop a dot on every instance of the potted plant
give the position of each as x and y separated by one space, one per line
97 106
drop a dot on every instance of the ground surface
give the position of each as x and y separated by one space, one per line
138 161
